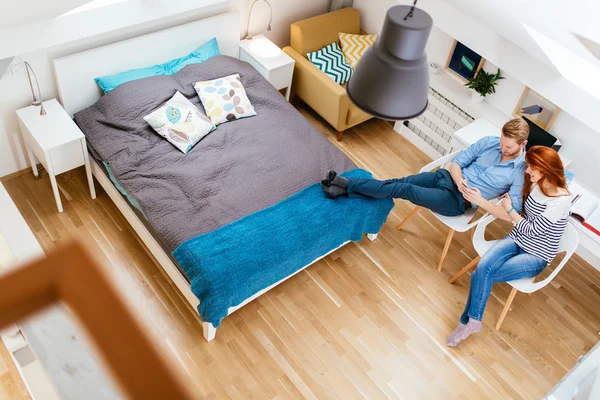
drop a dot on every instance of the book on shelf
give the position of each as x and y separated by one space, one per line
584 207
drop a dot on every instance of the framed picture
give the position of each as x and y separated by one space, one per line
463 62
536 108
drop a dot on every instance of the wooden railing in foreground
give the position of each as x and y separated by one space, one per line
69 275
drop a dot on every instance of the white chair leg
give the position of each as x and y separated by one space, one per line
372 236
208 331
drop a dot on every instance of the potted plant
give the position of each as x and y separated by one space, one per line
483 83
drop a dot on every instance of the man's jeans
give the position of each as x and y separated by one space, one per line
433 190
505 261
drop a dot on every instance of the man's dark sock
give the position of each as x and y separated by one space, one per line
337 180
332 191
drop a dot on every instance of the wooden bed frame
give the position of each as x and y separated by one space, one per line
77 90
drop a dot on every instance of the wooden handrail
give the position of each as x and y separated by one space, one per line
71 276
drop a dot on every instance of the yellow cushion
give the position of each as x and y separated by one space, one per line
317 32
354 46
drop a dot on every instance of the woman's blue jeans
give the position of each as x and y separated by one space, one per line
505 261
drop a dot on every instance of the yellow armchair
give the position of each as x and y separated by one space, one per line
316 89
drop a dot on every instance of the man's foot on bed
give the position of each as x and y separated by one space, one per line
332 191
337 180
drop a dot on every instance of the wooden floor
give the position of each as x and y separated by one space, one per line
12 386
368 321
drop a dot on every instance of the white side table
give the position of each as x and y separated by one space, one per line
270 61
56 141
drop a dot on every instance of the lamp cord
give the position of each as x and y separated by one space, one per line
35 100
250 16
412 9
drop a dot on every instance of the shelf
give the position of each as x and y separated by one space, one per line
457 93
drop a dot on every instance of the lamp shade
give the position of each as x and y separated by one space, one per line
391 80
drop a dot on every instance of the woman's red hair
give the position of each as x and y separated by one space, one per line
548 162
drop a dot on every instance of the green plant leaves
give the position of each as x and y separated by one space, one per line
485 83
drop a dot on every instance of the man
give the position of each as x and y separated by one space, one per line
489 168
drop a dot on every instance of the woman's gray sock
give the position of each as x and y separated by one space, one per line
463 331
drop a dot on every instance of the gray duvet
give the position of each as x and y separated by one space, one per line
241 167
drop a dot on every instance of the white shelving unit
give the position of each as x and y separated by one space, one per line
450 109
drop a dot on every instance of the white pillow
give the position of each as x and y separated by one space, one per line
224 99
180 122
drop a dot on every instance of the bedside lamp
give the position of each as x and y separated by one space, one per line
263 47
247 36
35 101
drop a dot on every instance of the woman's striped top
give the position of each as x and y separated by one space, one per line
543 225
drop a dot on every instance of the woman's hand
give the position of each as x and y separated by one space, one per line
473 196
506 202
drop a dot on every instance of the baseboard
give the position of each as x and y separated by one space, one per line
19 173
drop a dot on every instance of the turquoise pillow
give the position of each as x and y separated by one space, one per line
109 82
201 54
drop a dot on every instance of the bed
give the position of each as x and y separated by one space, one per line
242 211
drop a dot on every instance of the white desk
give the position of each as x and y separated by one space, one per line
589 242
471 133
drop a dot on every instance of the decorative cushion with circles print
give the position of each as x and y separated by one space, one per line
224 99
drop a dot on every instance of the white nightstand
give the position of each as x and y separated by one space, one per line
270 61
56 141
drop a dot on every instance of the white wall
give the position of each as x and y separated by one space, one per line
104 22
285 12
582 145
14 89
580 142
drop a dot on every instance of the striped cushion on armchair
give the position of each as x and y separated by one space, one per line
331 60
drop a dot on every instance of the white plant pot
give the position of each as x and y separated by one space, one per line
434 67
476 98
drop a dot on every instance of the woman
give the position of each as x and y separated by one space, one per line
533 242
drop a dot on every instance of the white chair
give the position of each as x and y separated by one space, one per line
460 223
568 244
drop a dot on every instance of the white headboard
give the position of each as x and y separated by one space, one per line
75 73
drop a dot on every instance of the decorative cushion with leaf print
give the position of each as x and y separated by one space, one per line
224 99
180 122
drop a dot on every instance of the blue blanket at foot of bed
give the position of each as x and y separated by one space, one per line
232 263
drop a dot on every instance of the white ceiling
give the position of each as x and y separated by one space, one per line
561 33
593 47
27 11
559 20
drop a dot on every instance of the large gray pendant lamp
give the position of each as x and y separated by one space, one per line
391 80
